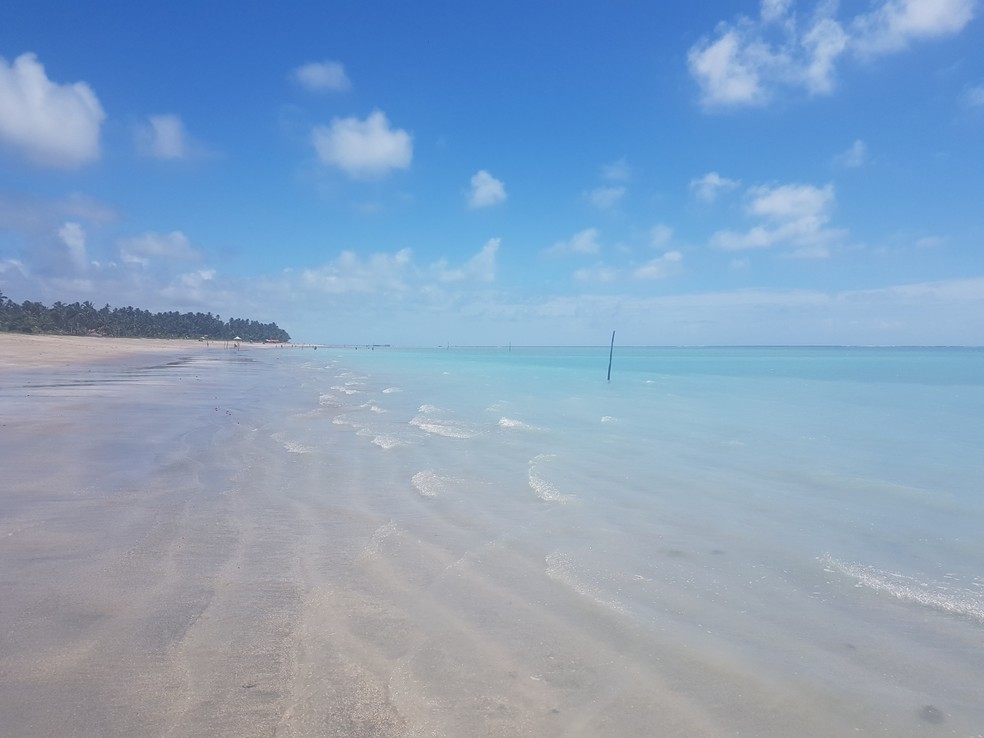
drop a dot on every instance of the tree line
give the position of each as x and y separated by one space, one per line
82 319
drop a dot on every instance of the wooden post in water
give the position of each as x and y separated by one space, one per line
611 351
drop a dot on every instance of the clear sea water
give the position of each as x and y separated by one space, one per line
717 542
804 526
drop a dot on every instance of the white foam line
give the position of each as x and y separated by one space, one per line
448 430
387 442
561 567
907 589
515 424
544 489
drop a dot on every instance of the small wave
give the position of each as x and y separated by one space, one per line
943 598
445 429
608 419
428 409
327 399
510 423
543 488
430 484
391 390
345 420
297 448
562 567
374 545
345 390
292 447
387 442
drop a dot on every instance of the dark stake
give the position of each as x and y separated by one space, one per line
610 352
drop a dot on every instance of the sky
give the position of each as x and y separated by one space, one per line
486 173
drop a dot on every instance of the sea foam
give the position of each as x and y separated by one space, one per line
935 595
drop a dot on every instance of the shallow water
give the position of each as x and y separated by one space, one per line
489 542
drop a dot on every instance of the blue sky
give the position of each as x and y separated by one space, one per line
778 172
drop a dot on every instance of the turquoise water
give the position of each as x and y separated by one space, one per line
862 455
718 541
810 516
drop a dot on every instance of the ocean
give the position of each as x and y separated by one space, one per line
499 541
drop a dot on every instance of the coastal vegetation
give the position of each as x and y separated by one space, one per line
81 319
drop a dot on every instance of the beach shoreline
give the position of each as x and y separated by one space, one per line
196 540
26 351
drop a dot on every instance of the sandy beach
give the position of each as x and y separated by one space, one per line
166 567
139 595
21 351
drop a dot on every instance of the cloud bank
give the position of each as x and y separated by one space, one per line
747 61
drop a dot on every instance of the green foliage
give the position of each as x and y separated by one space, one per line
129 322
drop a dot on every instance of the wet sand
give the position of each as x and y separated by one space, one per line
21 351
168 569
131 599
189 546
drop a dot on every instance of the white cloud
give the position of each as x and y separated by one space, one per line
480 268
792 215
486 190
895 23
727 70
747 61
793 201
823 45
605 198
73 236
163 137
326 76
363 148
618 171
661 267
351 274
708 187
854 157
582 242
660 236
54 125
173 246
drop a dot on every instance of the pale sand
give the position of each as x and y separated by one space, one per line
155 576
20 351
